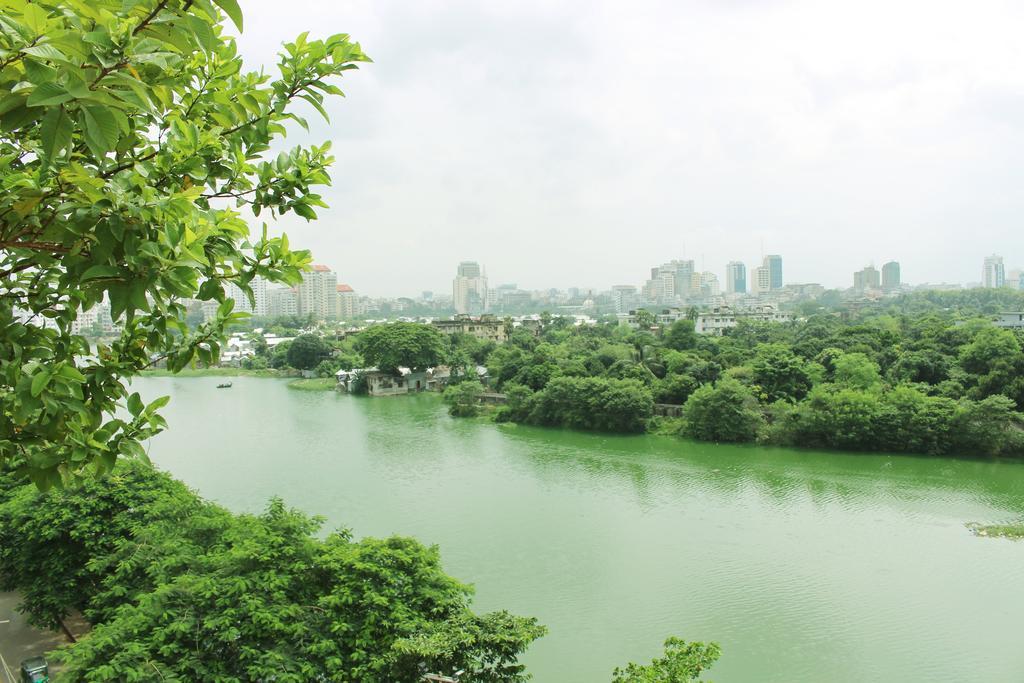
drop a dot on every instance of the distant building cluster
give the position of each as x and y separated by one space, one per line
870 279
319 295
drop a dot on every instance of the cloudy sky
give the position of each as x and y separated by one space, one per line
564 143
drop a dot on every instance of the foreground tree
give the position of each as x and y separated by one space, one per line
125 131
682 663
181 589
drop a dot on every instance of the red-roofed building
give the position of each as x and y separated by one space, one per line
348 302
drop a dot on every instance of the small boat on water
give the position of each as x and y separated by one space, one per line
224 385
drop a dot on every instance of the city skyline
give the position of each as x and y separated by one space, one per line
889 271
512 135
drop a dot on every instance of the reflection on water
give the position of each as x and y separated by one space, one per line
805 566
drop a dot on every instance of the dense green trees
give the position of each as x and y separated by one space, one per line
681 335
780 374
180 589
881 380
615 405
724 411
306 351
129 132
394 345
463 398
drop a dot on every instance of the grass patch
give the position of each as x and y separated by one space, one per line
314 384
214 372
1012 531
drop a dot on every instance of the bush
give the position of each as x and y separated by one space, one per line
726 411
518 404
463 399
593 403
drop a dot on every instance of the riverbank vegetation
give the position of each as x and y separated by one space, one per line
313 384
922 373
1013 532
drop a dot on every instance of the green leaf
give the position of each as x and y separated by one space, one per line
48 94
45 51
157 404
135 404
100 271
55 133
72 373
233 11
101 131
135 449
34 17
39 382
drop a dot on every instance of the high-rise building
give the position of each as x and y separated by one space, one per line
773 262
469 289
736 278
706 284
258 306
348 302
282 301
670 282
683 275
891 276
1015 278
761 280
992 274
866 279
318 293
624 298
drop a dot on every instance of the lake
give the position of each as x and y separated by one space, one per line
803 565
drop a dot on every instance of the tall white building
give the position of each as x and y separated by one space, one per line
282 301
624 297
761 281
318 293
259 293
348 302
469 289
992 274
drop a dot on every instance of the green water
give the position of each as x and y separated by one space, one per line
805 566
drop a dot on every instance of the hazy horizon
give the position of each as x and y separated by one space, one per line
578 144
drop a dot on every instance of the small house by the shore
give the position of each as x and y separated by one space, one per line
380 383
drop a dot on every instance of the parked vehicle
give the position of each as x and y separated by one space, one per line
35 670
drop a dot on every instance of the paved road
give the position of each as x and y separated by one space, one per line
20 641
